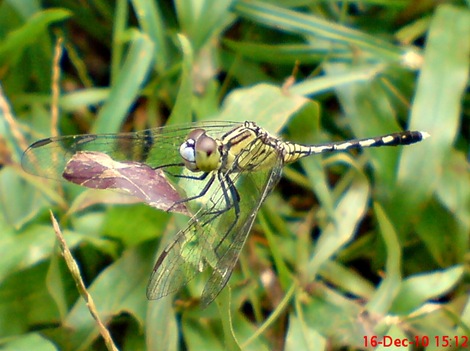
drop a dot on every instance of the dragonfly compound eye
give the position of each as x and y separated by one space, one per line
187 152
207 153
187 149
200 152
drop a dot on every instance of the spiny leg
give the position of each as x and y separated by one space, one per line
236 206
228 202
201 177
201 194
179 164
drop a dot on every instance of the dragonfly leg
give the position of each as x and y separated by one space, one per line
232 200
201 177
236 206
180 164
228 202
202 193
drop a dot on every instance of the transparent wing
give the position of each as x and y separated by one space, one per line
154 147
215 236
254 187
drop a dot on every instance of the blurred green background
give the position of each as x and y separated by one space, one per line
347 247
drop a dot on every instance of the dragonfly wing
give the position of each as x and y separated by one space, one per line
179 262
145 164
253 188
154 147
214 236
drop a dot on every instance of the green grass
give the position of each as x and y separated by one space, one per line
347 246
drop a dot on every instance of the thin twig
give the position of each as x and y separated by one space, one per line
73 268
15 130
56 85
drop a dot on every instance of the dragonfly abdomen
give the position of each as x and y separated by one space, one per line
292 151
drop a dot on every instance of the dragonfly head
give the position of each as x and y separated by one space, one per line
200 152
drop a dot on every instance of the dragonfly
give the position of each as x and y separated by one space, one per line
223 172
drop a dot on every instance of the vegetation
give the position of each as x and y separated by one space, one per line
347 247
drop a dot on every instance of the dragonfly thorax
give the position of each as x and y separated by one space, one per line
200 152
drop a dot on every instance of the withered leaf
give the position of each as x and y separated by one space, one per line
98 170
